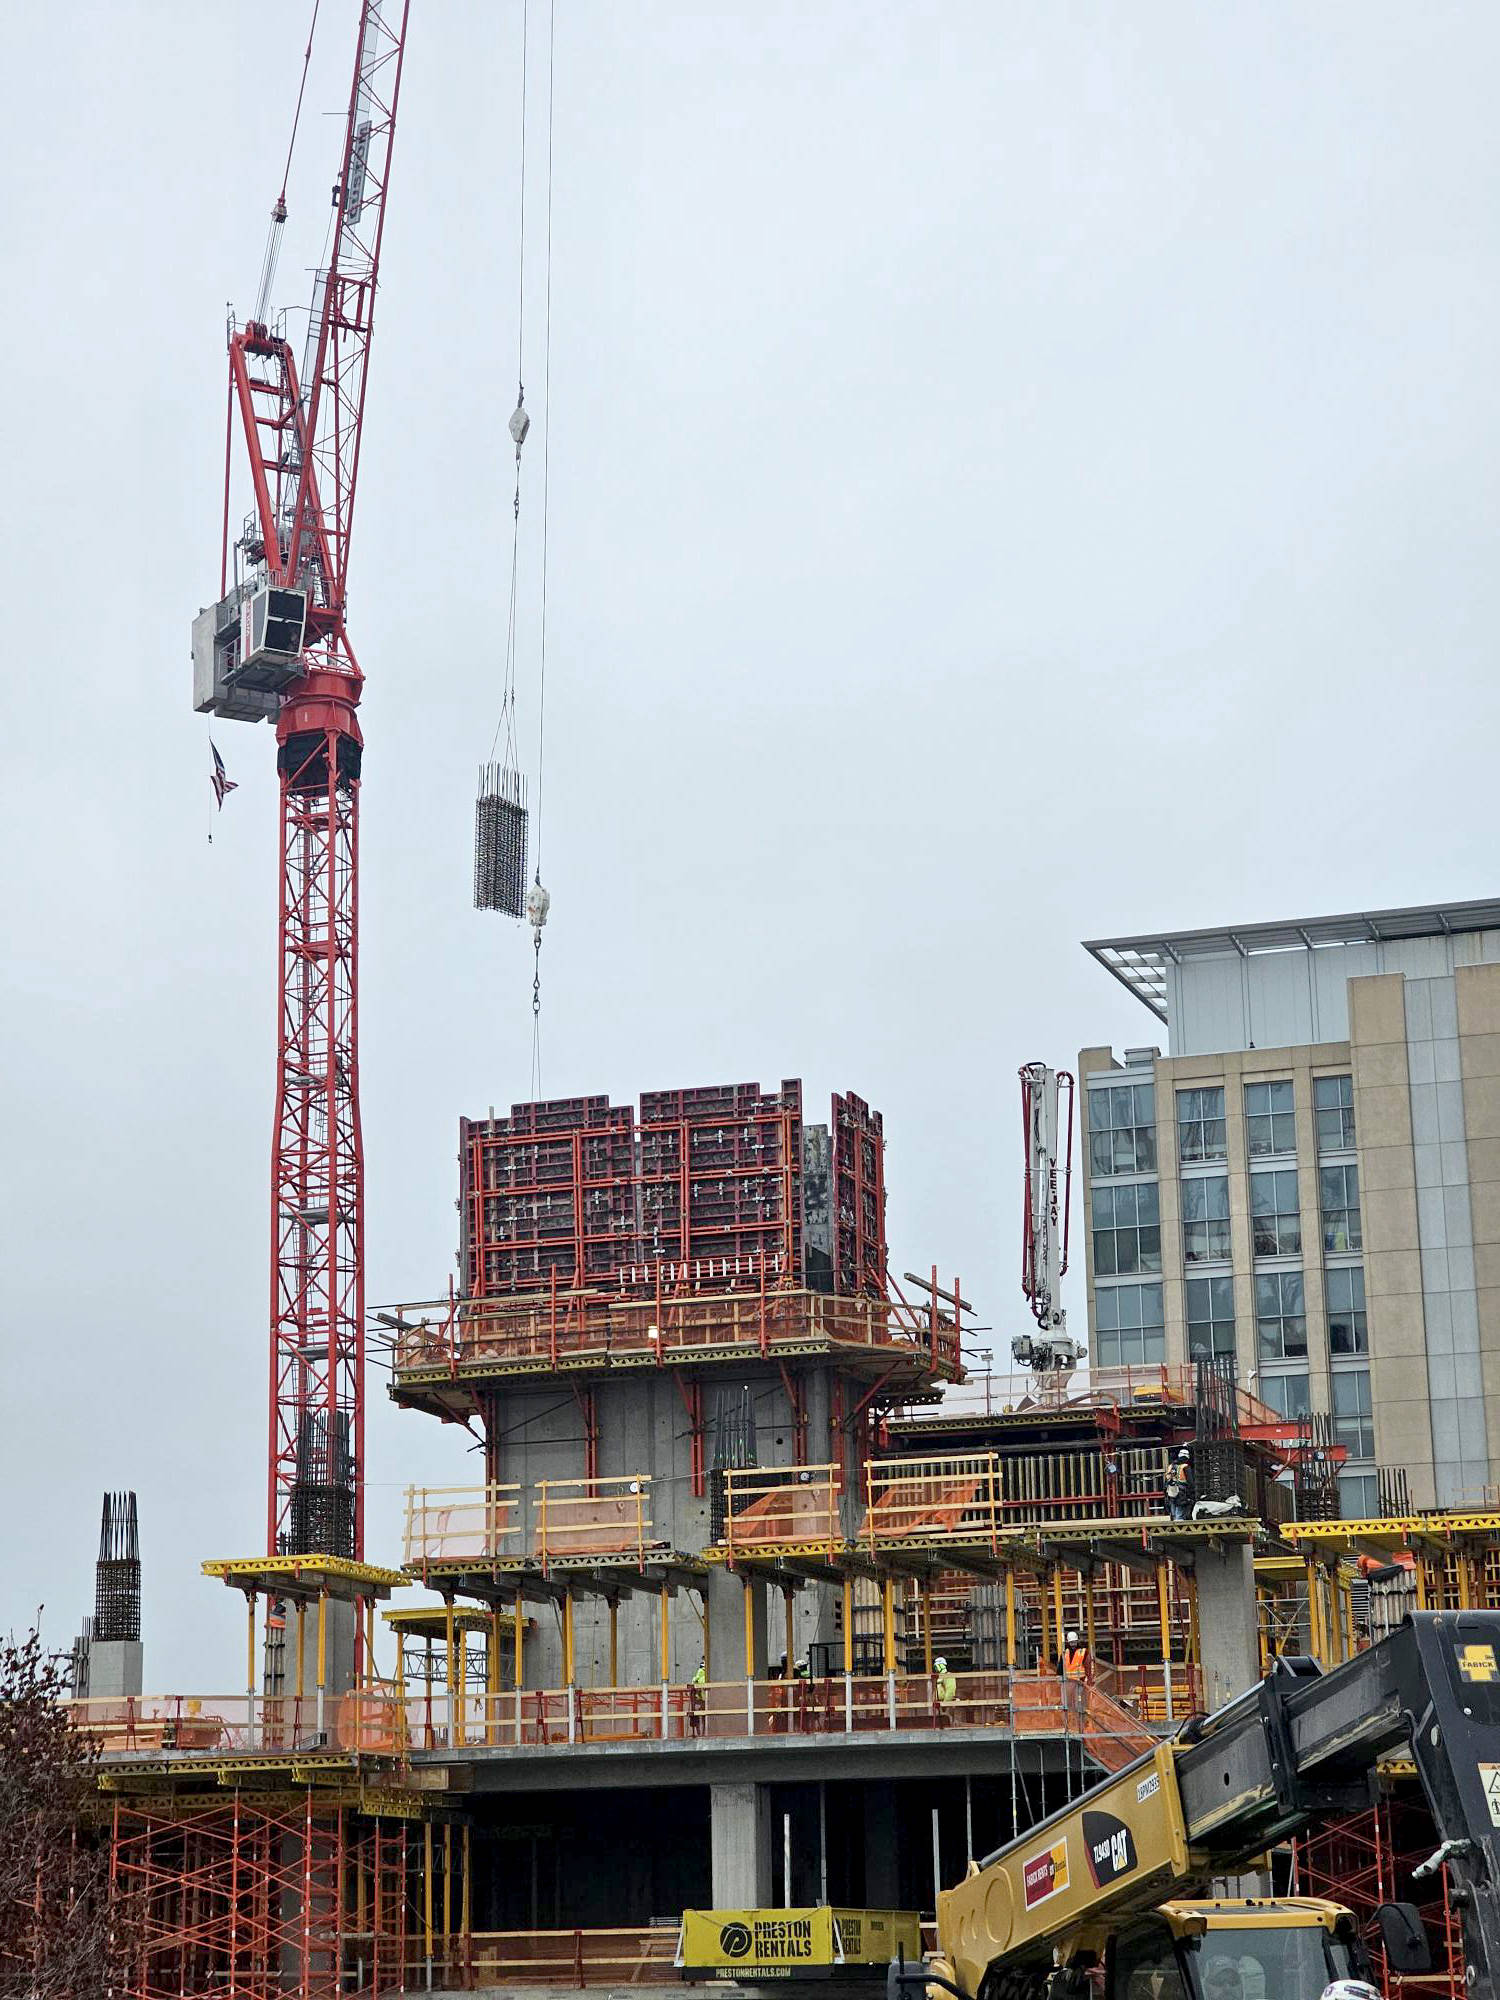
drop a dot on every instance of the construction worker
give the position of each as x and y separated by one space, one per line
698 1698
945 1687
1179 1486
1073 1662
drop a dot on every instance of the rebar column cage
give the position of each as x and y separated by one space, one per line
500 834
117 1574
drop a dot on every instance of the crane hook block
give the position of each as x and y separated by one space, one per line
538 903
520 424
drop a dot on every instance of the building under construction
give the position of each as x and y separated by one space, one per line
748 1553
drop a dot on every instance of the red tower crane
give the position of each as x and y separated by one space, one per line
276 645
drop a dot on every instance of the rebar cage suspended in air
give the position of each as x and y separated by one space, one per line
500 841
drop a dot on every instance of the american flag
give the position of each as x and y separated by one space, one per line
220 781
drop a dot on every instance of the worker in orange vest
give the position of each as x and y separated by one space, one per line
1073 1662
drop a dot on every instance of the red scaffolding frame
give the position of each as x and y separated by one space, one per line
260 1898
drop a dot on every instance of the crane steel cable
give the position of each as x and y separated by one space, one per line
500 817
542 900
278 209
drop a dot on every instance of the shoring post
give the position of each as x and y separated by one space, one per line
427 1896
569 1663
467 1918
1044 1610
1164 1618
301 1661
448 1898
1088 1609
664 1636
1010 1617
789 1631
1057 1605
848 1590
520 1642
925 1599
614 1642
888 1636
749 1604
1194 1649
450 1676
322 1653
250 1670
491 1675
1314 1611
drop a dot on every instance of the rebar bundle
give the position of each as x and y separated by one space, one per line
500 841
322 1499
117 1574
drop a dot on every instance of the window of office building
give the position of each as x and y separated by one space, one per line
1127 1229
1270 1126
1128 1327
1359 1499
1200 1124
1275 1219
1353 1423
1122 1129
1205 1219
1286 1394
1338 1191
1210 1317
1281 1316
1333 1108
1345 1289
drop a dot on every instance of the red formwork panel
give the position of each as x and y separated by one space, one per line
859 1259
548 1195
721 1182
704 1188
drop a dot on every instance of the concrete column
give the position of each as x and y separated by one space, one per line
115 1667
740 1846
1226 1622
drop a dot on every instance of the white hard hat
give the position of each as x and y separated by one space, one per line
940 1664
1072 1638
1185 1453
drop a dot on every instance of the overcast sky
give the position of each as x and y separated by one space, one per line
1019 473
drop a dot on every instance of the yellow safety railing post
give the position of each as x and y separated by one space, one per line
888 1622
1010 1616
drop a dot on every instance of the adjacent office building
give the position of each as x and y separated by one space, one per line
1308 1181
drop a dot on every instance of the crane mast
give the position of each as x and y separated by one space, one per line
1047 1127
276 645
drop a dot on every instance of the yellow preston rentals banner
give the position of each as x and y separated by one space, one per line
794 1944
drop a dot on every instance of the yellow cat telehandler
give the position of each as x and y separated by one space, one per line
1105 1899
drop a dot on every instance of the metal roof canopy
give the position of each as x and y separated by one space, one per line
1140 963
